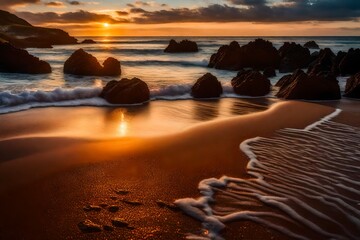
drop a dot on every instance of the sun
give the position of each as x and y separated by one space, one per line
106 25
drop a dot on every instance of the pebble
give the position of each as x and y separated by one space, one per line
89 208
108 228
132 202
122 192
167 205
119 222
87 226
113 208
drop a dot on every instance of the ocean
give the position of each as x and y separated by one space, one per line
169 76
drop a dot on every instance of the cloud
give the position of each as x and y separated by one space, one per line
55 4
5 4
248 2
122 13
75 3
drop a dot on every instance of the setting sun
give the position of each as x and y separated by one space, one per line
105 25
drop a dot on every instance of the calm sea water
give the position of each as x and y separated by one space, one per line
170 76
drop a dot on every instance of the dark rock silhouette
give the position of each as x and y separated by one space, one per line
325 63
350 63
285 80
181 47
88 41
207 86
352 88
311 45
84 64
300 85
251 83
293 56
269 72
126 91
14 60
258 54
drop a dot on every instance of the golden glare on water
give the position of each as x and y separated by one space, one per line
123 125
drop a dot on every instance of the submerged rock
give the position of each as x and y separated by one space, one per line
300 85
293 56
311 45
251 83
352 88
181 47
84 64
87 226
207 86
15 60
126 91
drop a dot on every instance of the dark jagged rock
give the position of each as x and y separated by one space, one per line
88 41
126 91
84 64
87 226
119 222
207 86
258 54
285 80
90 208
352 88
311 45
300 85
181 47
293 56
314 56
251 83
269 72
325 63
14 60
350 63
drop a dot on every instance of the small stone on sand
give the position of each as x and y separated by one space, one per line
87 226
119 222
89 208
113 208
132 202
122 192
168 205
108 228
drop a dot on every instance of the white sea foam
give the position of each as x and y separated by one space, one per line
304 184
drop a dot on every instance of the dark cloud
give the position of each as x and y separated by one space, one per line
5 4
138 10
122 13
248 2
54 4
75 3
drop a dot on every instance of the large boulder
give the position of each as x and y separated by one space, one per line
16 60
350 63
325 63
207 86
181 47
269 72
126 91
251 83
311 45
352 88
293 56
84 64
258 54
300 85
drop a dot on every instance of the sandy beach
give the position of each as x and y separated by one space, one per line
47 181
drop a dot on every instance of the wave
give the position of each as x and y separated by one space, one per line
305 184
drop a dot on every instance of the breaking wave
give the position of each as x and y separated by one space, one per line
305 184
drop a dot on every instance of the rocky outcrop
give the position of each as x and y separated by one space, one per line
352 88
88 41
350 62
14 60
84 64
258 54
181 47
311 45
309 87
126 91
325 63
269 72
251 83
207 86
293 56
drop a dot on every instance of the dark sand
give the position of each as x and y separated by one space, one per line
46 181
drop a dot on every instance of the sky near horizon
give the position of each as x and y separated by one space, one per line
192 17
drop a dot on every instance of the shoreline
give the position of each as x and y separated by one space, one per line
84 173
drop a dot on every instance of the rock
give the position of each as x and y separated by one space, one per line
352 88
122 191
293 56
119 222
207 86
311 45
167 205
113 198
300 85
350 63
87 226
325 63
251 83
108 228
285 80
103 205
89 208
84 64
182 47
258 54
14 60
88 41
269 72
132 202
126 91
113 208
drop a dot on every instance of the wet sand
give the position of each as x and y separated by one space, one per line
46 181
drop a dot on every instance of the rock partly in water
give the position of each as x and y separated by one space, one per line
258 54
207 86
300 85
14 60
181 47
87 226
119 222
350 63
285 80
352 88
251 83
311 45
325 63
293 56
126 91
88 41
269 72
84 64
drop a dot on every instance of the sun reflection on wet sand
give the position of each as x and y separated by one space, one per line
123 125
